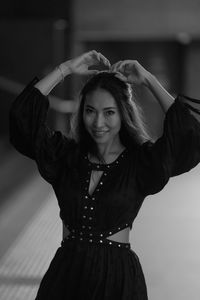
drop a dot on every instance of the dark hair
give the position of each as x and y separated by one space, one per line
132 130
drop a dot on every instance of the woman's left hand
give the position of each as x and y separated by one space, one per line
131 71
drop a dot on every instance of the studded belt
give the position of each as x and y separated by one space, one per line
89 237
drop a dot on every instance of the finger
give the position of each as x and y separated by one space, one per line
124 67
113 67
121 76
91 72
116 66
97 57
121 66
104 60
93 54
91 58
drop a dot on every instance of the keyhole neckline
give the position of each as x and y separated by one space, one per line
102 166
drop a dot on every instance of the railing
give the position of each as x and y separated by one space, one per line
56 103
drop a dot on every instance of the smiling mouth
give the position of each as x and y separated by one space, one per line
99 133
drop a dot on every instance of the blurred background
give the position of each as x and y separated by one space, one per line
164 36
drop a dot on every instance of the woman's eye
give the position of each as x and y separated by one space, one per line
88 111
110 112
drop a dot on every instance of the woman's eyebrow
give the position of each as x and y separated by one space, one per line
111 107
106 108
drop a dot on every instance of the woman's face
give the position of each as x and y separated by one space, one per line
101 116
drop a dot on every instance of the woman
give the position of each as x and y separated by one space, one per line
102 172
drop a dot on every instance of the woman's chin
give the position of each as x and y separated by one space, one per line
100 137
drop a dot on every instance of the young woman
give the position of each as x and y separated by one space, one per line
102 172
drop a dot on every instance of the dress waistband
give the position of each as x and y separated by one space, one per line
91 237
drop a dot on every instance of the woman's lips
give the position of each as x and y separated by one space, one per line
99 133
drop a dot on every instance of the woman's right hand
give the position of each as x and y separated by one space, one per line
80 64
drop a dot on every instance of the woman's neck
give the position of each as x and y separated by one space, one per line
108 152
112 147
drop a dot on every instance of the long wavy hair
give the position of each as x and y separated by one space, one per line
133 130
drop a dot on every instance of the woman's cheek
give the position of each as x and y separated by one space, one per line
88 120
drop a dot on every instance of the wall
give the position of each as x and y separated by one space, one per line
136 18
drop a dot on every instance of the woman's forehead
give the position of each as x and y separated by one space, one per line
100 98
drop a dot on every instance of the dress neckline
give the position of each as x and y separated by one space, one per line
102 166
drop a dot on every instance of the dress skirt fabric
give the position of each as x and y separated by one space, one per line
84 271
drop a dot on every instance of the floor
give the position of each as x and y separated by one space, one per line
30 233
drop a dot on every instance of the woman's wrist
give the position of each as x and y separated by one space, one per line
149 80
48 83
64 69
159 92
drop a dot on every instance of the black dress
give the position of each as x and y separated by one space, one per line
87 265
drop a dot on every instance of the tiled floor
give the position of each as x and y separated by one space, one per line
28 256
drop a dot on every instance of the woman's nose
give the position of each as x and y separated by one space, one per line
99 120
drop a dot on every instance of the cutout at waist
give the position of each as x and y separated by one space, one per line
121 236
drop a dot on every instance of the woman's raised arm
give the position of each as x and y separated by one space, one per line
134 73
78 65
29 132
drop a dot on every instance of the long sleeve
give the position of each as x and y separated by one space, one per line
30 135
177 151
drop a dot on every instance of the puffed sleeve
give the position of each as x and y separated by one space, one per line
30 135
177 151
